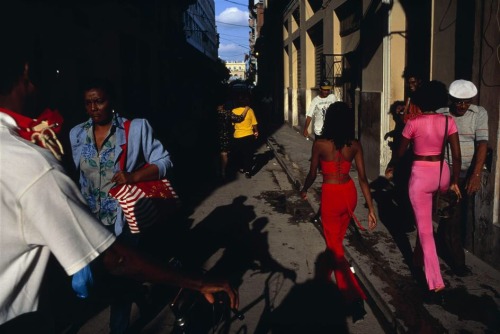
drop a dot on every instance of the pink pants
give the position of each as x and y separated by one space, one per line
423 184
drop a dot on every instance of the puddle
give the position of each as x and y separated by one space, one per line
288 202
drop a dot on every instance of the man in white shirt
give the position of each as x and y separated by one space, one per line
317 109
43 213
472 124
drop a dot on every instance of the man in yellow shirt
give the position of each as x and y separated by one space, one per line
245 134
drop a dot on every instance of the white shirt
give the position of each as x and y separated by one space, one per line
317 110
41 212
472 128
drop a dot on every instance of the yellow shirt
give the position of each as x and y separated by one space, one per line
244 128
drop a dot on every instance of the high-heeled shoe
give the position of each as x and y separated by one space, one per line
358 311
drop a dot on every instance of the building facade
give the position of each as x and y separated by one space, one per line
200 28
255 23
237 70
363 47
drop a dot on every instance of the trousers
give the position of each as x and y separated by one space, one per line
243 152
337 205
452 225
424 182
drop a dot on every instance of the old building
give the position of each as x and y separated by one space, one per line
236 69
363 46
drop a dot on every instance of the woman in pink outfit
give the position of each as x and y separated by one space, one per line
427 132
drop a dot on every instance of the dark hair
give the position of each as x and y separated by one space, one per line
394 107
99 83
413 72
338 125
431 96
17 52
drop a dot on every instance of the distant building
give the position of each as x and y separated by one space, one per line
236 70
255 23
199 27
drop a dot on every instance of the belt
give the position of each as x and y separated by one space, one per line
427 157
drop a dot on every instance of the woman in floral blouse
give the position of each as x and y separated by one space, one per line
96 147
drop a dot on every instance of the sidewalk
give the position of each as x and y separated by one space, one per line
381 257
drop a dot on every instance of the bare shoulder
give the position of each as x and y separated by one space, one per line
321 145
355 147
355 144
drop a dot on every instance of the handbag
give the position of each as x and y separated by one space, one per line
144 203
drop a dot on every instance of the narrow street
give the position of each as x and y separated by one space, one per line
258 232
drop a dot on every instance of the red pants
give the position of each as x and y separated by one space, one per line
337 204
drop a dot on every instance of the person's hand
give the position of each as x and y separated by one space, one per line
122 177
372 221
305 133
473 183
389 173
303 194
454 187
256 134
208 289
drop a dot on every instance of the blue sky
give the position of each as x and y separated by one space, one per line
231 18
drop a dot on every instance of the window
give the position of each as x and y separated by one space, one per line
349 14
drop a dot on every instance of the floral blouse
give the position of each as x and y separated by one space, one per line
226 118
96 171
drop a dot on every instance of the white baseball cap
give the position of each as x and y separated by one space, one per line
462 89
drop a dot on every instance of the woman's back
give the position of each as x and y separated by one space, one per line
328 150
427 132
336 164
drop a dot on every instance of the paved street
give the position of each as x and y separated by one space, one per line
258 231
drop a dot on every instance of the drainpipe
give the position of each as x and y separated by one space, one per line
386 98
496 189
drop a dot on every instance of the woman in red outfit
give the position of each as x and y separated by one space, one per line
335 152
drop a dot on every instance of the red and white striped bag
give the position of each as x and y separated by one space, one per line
145 203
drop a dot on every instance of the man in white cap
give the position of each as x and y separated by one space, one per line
317 109
472 124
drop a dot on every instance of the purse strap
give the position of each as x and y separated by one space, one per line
442 149
123 157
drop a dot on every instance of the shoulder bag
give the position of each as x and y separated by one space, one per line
440 211
144 203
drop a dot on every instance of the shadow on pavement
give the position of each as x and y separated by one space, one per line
315 306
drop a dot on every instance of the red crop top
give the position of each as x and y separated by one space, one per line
336 170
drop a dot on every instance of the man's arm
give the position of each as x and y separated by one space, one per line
474 182
306 126
120 260
309 115
255 130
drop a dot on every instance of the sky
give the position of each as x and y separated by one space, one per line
231 18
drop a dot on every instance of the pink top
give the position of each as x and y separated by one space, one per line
427 132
